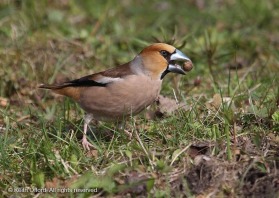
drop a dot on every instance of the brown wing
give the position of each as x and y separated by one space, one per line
118 72
72 88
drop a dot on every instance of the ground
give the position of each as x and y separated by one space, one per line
221 140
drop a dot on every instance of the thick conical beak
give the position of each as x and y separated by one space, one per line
177 58
176 69
180 57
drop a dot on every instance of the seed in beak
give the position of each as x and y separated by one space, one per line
187 66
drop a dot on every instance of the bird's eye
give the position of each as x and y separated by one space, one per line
164 53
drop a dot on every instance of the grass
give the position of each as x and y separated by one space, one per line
223 143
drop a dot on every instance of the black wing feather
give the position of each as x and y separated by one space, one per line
85 81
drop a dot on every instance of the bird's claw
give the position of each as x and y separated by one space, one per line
129 134
86 145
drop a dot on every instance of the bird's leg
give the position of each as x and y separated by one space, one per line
130 135
121 126
86 145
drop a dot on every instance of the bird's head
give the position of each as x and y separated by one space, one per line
160 58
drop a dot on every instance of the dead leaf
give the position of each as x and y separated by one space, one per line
61 183
151 115
167 105
216 101
194 151
164 106
136 178
92 153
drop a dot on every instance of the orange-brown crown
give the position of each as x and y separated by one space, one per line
153 60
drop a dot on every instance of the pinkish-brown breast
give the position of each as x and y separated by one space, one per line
128 96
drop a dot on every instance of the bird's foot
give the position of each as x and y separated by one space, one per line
130 135
85 144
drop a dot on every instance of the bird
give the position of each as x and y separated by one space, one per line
124 90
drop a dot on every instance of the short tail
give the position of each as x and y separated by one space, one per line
46 86
63 89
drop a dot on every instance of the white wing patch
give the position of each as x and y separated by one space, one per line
105 79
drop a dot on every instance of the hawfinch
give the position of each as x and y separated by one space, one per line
125 90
